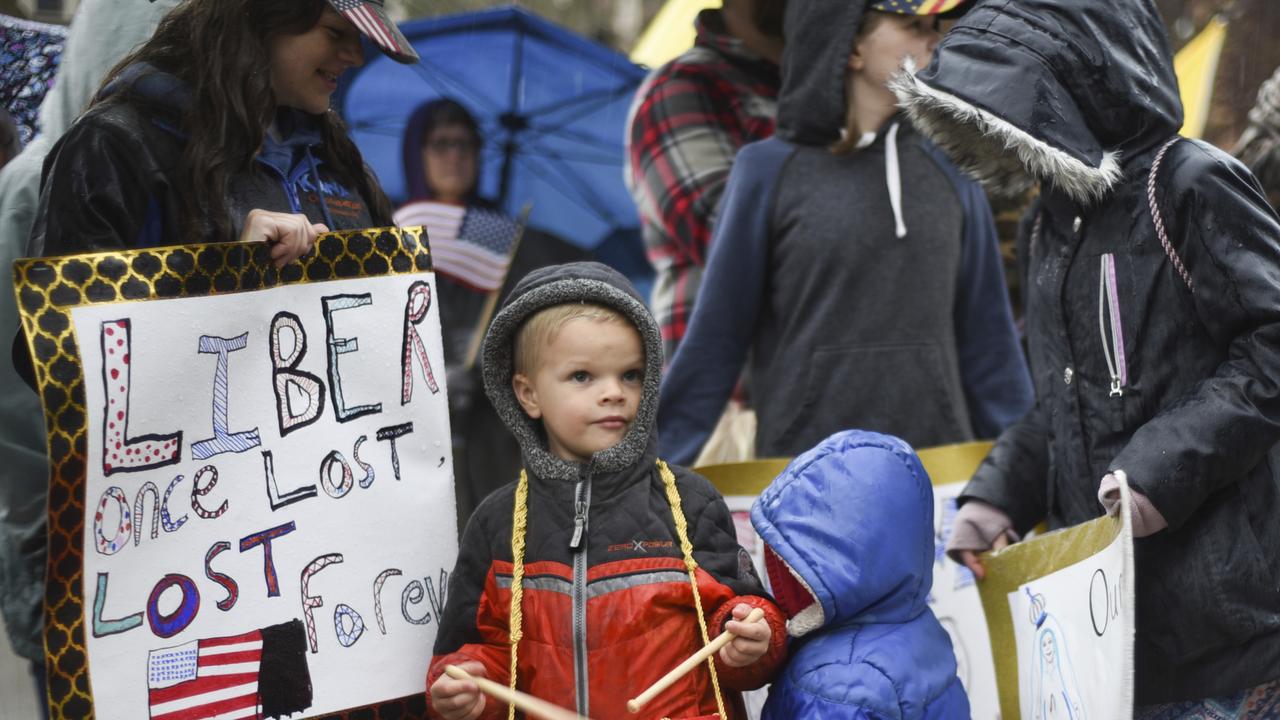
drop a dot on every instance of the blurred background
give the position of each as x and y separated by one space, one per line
570 145
1249 55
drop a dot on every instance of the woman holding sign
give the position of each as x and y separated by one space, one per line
219 128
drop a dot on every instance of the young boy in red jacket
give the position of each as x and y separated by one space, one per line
590 577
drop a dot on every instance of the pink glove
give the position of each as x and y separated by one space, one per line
1147 520
976 527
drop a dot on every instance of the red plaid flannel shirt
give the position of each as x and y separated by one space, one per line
690 118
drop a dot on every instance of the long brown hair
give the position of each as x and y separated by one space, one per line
220 50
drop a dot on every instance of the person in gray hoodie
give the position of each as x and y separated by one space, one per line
851 261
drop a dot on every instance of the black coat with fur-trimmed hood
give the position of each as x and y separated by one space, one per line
1162 362
607 600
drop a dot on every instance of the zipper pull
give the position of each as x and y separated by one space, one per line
579 518
579 525
1116 389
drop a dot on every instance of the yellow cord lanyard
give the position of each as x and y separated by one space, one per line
519 528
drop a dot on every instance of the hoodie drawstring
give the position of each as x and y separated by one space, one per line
324 202
892 174
893 177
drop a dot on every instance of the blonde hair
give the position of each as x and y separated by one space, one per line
540 329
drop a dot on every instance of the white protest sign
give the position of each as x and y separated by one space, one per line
955 601
1062 619
268 505
266 431
1074 634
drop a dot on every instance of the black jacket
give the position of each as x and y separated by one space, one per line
1133 369
111 181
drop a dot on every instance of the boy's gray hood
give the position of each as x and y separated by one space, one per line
1046 90
819 40
583 282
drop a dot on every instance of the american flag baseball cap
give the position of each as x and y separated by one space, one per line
916 7
370 17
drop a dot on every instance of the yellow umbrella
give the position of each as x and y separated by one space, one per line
670 32
1197 65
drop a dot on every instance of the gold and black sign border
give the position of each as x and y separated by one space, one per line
48 289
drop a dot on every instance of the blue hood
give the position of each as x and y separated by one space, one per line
853 517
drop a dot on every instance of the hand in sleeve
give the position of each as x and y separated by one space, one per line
979 527
1147 520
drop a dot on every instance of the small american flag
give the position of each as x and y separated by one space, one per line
367 21
210 678
470 245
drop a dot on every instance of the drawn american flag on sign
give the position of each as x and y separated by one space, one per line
261 675
470 245
205 679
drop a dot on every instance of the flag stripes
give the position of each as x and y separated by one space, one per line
371 25
206 679
470 245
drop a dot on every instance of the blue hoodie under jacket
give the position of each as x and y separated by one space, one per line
853 518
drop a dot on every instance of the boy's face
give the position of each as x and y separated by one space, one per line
586 387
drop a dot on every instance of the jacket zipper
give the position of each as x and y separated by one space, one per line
1109 319
287 181
294 204
578 546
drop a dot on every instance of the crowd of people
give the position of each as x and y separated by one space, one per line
812 181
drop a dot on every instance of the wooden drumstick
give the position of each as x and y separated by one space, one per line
666 681
523 702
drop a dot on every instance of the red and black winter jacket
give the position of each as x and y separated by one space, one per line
639 617
605 617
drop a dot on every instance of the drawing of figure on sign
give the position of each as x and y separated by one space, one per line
944 524
1056 694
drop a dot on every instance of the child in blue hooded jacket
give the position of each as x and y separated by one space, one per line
848 529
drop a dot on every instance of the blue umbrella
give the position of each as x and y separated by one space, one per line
551 104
